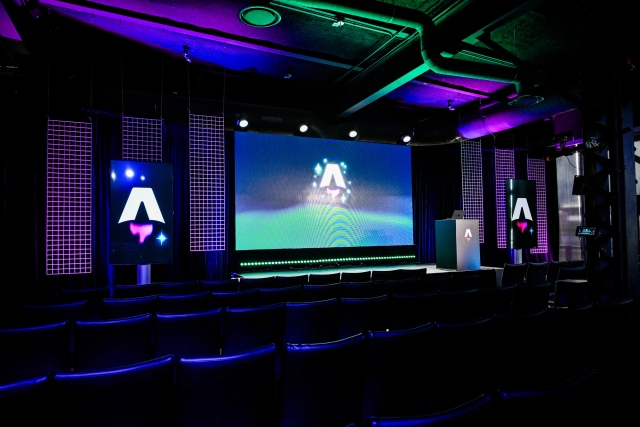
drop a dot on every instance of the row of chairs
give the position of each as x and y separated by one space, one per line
538 273
381 378
83 345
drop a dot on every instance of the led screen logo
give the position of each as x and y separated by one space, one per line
141 212
332 184
521 213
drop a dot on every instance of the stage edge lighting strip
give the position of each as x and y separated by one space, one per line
325 260
472 196
536 172
206 183
505 169
68 240
141 139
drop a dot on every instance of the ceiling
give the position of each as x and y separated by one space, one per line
441 70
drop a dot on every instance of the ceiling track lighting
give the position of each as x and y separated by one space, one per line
303 127
450 105
353 133
185 53
242 121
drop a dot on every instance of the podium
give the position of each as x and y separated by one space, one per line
457 244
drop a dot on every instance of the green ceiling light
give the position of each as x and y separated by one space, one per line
259 15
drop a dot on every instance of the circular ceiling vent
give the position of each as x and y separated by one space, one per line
526 100
259 16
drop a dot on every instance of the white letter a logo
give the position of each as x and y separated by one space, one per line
332 170
141 195
521 205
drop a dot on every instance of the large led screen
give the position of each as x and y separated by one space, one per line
141 225
294 192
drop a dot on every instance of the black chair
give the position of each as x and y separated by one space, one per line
575 273
107 344
496 300
179 288
311 322
135 291
413 310
434 282
575 263
321 384
246 283
236 390
33 351
323 278
93 296
288 281
465 280
222 285
537 273
554 268
528 299
248 328
361 315
398 372
26 402
321 292
119 308
570 336
135 395
610 346
398 274
459 306
404 286
569 293
355 276
268 296
42 314
481 410
248 298
362 289
456 380
188 335
513 274
186 303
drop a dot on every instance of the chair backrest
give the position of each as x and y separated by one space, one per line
16 397
497 300
554 268
570 292
268 296
311 322
435 282
256 282
119 308
459 306
481 410
252 327
236 390
397 364
41 314
222 285
179 288
135 291
246 298
537 273
93 296
33 351
579 273
187 303
362 289
413 310
188 335
361 315
355 276
514 274
398 274
321 292
107 344
288 281
465 280
323 278
321 384
139 394
528 299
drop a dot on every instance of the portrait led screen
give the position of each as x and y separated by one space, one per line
522 213
141 225
294 192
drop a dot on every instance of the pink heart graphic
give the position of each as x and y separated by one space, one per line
522 225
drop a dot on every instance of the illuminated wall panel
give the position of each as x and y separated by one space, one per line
141 139
505 169
472 194
207 183
68 240
535 172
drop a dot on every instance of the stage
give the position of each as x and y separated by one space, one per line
431 269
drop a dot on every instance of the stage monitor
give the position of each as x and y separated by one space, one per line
522 213
306 193
141 225
586 231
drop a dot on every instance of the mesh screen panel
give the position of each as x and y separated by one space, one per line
505 169
207 183
141 139
472 195
535 172
68 240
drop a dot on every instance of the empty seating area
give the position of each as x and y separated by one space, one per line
394 351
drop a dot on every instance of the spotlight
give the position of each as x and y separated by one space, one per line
353 133
406 138
450 105
242 122
303 127
185 53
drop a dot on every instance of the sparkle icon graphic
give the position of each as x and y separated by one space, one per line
161 237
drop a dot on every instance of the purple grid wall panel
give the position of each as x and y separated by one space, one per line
68 235
141 139
536 172
505 169
206 183
472 193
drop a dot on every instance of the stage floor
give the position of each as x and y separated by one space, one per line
431 269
